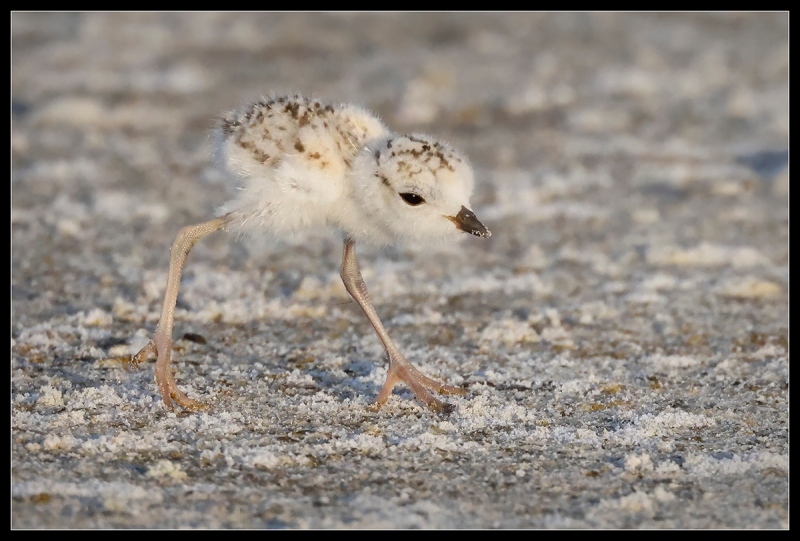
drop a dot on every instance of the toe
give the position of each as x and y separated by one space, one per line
145 352
451 390
185 402
442 407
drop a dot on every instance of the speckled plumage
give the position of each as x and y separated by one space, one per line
299 163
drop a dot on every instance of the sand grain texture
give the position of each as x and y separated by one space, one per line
623 335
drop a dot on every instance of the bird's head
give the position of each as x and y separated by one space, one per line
416 189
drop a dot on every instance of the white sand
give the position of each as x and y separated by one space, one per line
623 335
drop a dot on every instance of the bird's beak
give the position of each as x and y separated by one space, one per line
467 222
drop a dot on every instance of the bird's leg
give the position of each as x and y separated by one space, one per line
399 368
162 344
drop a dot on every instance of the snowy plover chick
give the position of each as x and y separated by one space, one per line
300 163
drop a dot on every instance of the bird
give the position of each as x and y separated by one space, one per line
297 163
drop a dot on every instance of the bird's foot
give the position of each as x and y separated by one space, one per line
143 354
420 384
167 385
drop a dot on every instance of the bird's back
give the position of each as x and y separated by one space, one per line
290 159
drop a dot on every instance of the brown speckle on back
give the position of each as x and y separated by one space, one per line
272 126
229 126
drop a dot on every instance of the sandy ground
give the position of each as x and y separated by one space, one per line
623 336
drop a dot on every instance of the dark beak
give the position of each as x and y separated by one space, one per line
467 222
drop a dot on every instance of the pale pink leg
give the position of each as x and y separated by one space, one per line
162 344
399 368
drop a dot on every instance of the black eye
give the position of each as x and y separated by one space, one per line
412 199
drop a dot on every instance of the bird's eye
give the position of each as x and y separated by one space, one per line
412 199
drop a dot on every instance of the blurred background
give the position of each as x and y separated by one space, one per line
633 171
